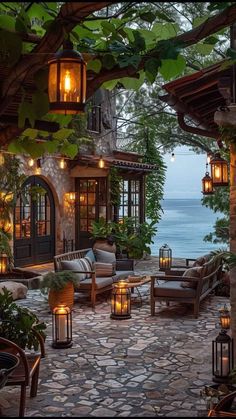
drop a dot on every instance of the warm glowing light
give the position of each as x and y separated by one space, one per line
62 164
82 198
6 196
101 163
2 159
3 263
217 172
67 84
70 197
38 171
31 162
62 326
208 158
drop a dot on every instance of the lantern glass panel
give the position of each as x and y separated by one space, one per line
222 357
207 187
3 263
52 86
165 257
120 301
62 327
70 82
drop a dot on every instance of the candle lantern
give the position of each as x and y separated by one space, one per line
207 185
222 357
101 163
4 263
219 171
224 318
120 301
67 81
165 257
61 327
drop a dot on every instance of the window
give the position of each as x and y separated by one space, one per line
130 200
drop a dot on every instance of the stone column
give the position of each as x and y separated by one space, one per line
232 233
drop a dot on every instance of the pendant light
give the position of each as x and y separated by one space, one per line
207 186
219 171
67 81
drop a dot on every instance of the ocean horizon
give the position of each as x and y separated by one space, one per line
183 226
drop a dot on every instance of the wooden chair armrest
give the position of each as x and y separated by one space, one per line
20 352
41 342
175 278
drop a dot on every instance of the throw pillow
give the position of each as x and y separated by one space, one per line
103 269
91 256
199 261
105 257
193 273
74 265
85 266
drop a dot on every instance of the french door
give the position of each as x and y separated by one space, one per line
34 224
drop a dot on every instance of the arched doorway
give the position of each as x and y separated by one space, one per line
34 224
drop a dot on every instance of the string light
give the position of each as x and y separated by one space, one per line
31 162
38 168
62 163
2 159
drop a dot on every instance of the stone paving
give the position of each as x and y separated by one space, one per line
141 367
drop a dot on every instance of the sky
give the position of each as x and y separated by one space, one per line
184 175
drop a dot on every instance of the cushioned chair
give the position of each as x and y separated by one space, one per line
98 279
27 372
190 286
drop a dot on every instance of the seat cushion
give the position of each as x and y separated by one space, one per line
192 273
173 289
103 269
102 282
122 275
74 265
103 256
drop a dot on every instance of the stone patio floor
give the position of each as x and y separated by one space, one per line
141 367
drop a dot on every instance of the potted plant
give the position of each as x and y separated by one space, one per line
102 234
19 324
59 287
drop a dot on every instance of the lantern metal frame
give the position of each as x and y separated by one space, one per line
222 357
4 263
62 327
67 56
207 184
120 301
221 165
165 257
225 318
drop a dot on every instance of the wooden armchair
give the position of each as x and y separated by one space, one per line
27 372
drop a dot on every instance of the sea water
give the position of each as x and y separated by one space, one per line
183 226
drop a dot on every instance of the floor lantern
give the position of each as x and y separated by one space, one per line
120 301
4 263
61 327
222 357
67 81
219 171
165 257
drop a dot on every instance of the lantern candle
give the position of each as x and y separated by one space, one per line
120 301
62 327
3 263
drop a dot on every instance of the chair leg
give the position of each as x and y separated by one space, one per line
93 298
196 310
34 382
153 308
22 400
167 303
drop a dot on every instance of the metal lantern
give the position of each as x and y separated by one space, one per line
219 171
222 357
120 301
67 81
224 318
70 197
61 327
165 257
207 186
101 163
4 263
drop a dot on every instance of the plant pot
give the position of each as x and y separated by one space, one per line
102 244
64 296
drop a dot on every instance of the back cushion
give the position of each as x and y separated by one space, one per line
199 261
103 269
73 265
193 273
91 256
105 257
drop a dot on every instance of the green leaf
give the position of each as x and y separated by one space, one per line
149 37
84 32
108 61
133 83
126 60
199 20
148 16
7 22
163 16
40 104
94 24
31 133
23 22
70 150
172 68
63 134
151 69
204 49
169 49
39 12
94 65
130 34
34 149
107 28
110 84
231 53
139 42
165 30
26 111
51 146
15 147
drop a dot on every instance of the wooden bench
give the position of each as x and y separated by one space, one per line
170 288
27 372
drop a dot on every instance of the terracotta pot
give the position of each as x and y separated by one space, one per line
64 296
102 244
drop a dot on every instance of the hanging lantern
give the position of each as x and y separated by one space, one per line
31 162
225 318
61 327
62 163
70 197
165 258
2 159
207 186
222 357
101 163
219 171
120 301
67 81
4 263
